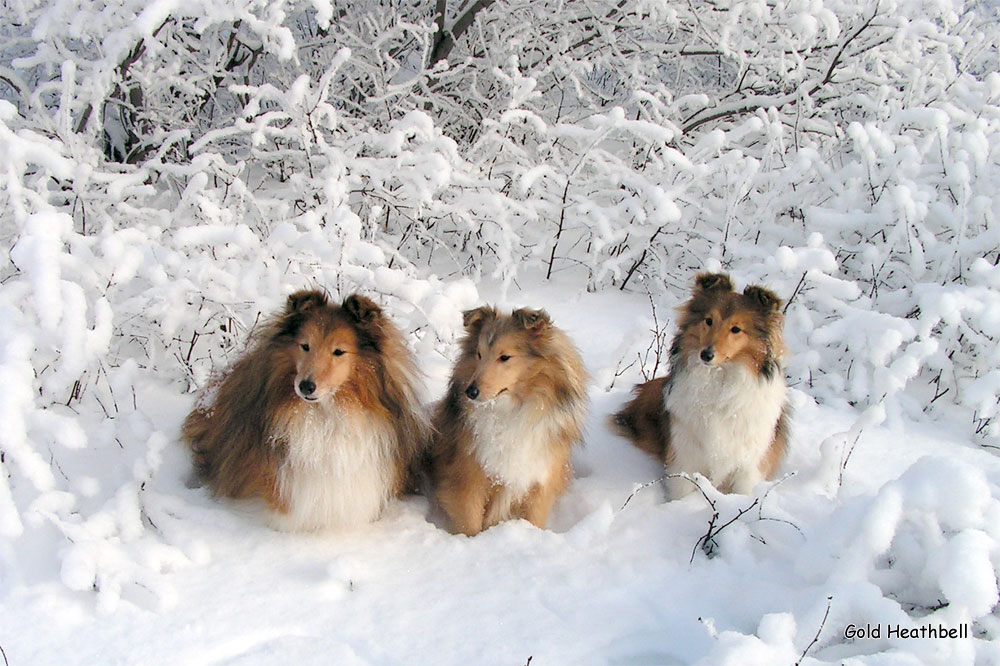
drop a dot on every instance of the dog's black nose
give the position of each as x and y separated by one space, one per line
707 354
472 392
307 386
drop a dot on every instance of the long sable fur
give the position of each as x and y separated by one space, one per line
559 384
235 451
646 422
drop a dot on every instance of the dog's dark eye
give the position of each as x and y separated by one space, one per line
708 320
504 358
735 329
338 352
305 346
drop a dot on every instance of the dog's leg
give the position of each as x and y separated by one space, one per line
499 506
465 505
536 506
744 480
689 451
771 460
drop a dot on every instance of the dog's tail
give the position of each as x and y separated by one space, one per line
196 433
643 420
623 422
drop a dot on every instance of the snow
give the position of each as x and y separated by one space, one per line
967 575
606 583
850 165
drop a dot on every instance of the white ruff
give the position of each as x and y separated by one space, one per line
515 444
722 422
338 471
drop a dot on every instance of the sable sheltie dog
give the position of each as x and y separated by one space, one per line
320 418
722 410
503 433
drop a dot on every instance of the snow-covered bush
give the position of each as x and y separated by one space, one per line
114 285
862 189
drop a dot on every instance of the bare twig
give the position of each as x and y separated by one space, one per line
642 258
194 339
643 487
707 541
657 343
559 230
829 601
846 459
619 371
760 508
795 293
751 103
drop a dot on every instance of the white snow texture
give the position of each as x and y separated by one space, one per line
171 171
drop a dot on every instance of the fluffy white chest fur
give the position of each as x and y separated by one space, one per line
722 421
514 443
338 472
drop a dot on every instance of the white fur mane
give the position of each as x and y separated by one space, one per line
513 443
722 422
338 472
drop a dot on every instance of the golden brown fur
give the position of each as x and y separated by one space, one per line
515 407
643 420
310 369
718 328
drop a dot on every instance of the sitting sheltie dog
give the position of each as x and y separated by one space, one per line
320 418
722 410
515 406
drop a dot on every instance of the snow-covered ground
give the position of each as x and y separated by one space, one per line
904 535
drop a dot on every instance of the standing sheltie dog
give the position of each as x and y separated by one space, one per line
722 410
320 418
515 407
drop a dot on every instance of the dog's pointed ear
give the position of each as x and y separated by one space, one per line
533 320
362 309
765 299
302 302
297 308
473 319
712 281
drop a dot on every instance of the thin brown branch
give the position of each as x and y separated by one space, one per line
753 103
440 17
641 488
642 258
559 230
707 541
123 67
795 293
829 601
445 40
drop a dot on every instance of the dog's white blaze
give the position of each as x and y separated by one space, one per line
338 473
514 443
722 421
